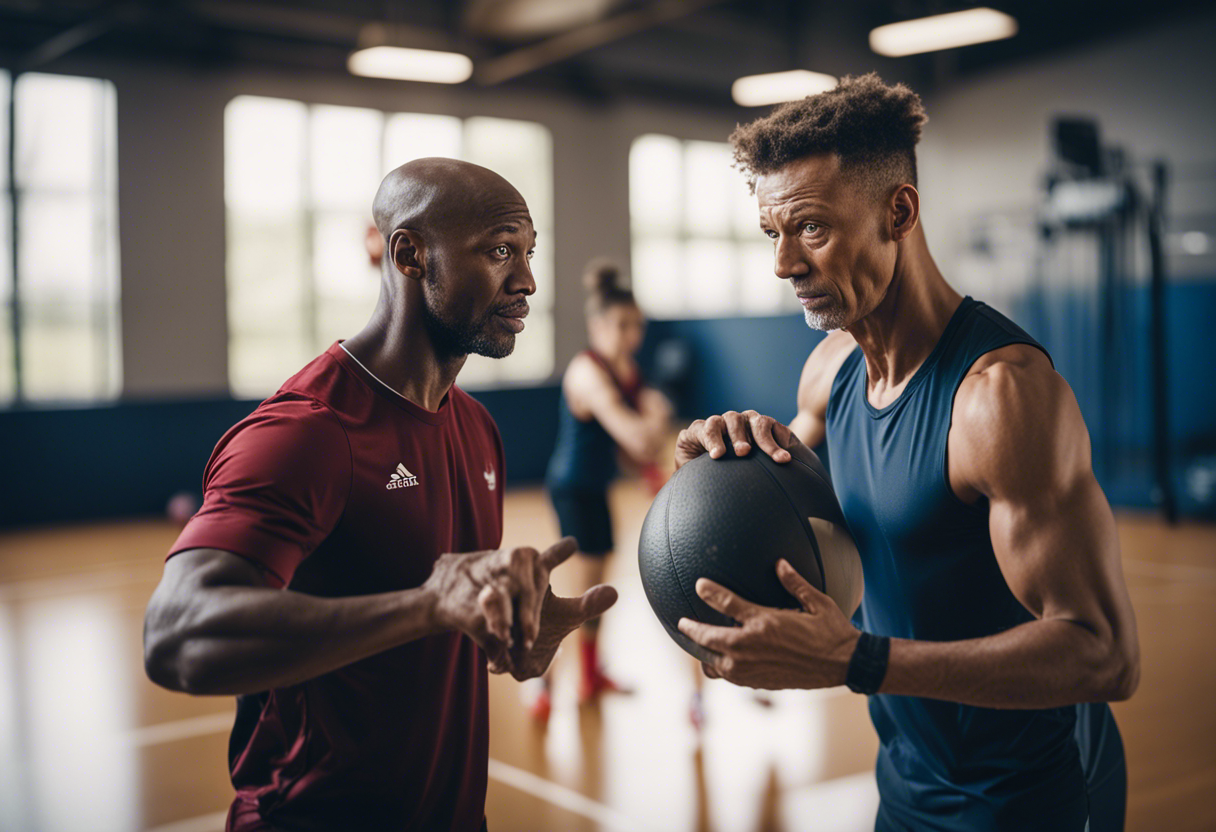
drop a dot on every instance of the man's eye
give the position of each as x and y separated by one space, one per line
531 253
502 251
768 232
810 228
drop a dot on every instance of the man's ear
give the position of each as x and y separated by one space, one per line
408 252
905 212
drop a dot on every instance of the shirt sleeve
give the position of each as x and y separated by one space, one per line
274 488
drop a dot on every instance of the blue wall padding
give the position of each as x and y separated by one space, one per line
128 458
739 363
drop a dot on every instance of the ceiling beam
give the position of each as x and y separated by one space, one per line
576 41
72 38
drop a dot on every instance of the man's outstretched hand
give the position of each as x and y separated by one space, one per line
558 618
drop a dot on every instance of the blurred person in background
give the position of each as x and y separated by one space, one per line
606 412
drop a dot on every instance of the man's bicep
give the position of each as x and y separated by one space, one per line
1052 529
1060 556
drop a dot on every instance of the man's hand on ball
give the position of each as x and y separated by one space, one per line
773 649
558 618
742 430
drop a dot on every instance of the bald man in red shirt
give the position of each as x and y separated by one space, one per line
343 576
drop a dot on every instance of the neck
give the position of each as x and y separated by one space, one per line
900 333
396 348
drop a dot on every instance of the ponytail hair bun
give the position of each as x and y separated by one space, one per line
601 276
605 286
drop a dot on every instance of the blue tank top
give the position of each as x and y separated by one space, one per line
931 574
584 456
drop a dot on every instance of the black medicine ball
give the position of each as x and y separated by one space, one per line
731 520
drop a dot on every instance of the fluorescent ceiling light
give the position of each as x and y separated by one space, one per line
942 31
778 87
405 64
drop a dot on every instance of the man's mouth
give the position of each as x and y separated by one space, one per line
513 316
811 300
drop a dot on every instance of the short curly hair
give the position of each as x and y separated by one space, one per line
872 127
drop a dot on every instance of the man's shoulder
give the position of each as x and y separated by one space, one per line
1012 377
1011 407
287 419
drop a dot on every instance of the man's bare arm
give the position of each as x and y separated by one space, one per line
1019 440
214 627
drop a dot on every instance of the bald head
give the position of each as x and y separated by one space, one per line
435 195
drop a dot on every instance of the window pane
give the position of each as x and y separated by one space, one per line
410 136
69 294
48 268
60 129
7 376
61 357
522 153
744 209
763 293
264 155
655 183
4 92
657 280
259 363
712 280
345 157
708 178
347 285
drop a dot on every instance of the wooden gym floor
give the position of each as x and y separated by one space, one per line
87 743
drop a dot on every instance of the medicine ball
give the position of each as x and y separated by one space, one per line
731 520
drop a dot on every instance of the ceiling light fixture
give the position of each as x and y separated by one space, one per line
942 31
404 64
779 87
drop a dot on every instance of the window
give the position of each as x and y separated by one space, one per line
697 246
59 338
299 184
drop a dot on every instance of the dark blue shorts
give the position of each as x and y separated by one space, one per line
583 514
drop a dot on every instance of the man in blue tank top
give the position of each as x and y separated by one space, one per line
995 623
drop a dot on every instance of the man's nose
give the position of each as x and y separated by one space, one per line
788 259
521 280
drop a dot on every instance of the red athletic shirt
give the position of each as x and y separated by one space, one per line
337 486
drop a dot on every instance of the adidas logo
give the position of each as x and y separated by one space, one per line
401 478
491 477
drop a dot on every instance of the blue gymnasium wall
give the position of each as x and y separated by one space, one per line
126 459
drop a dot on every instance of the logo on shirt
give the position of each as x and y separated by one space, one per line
491 477
401 478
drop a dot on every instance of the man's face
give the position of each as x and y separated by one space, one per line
829 240
477 283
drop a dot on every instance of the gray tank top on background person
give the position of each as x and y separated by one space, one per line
931 574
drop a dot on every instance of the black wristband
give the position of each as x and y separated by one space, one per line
868 665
